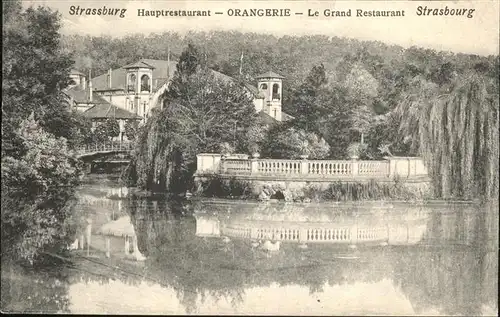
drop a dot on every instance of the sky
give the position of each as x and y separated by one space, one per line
476 35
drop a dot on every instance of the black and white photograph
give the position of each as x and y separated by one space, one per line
183 157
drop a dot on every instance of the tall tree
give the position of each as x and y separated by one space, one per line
306 108
35 71
189 62
201 115
39 173
362 90
457 134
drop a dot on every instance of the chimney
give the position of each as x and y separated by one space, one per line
109 78
90 85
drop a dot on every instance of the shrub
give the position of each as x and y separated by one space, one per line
37 193
131 129
291 144
223 188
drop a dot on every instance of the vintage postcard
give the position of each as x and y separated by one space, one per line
247 157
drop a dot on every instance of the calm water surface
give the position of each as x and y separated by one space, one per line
435 259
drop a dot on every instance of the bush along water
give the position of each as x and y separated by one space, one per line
373 190
225 188
396 189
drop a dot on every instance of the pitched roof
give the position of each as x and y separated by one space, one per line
162 72
139 64
269 74
75 72
286 116
267 119
256 93
105 111
80 95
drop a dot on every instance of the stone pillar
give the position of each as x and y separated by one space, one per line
354 167
304 165
392 166
207 162
89 235
253 233
108 247
410 164
127 245
354 235
302 235
254 166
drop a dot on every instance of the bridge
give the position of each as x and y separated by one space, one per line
107 154
103 148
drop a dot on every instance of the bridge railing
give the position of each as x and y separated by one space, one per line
105 147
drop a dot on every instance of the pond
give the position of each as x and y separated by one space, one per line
223 257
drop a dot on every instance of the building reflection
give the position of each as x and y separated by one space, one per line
439 259
430 251
297 225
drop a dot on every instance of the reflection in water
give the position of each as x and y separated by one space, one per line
437 259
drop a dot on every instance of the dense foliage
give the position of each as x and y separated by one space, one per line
35 72
37 187
457 133
201 113
344 91
131 129
39 171
293 144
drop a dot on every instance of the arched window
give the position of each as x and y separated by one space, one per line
276 92
263 86
131 82
145 86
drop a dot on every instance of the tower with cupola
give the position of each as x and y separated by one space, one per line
139 86
270 85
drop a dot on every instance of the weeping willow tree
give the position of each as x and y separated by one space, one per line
209 112
155 159
456 133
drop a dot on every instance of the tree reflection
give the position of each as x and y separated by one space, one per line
25 290
456 273
446 271
452 270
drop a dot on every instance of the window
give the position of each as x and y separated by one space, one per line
276 92
274 113
145 86
263 86
131 82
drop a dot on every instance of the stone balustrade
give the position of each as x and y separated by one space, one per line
241 165
324 233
